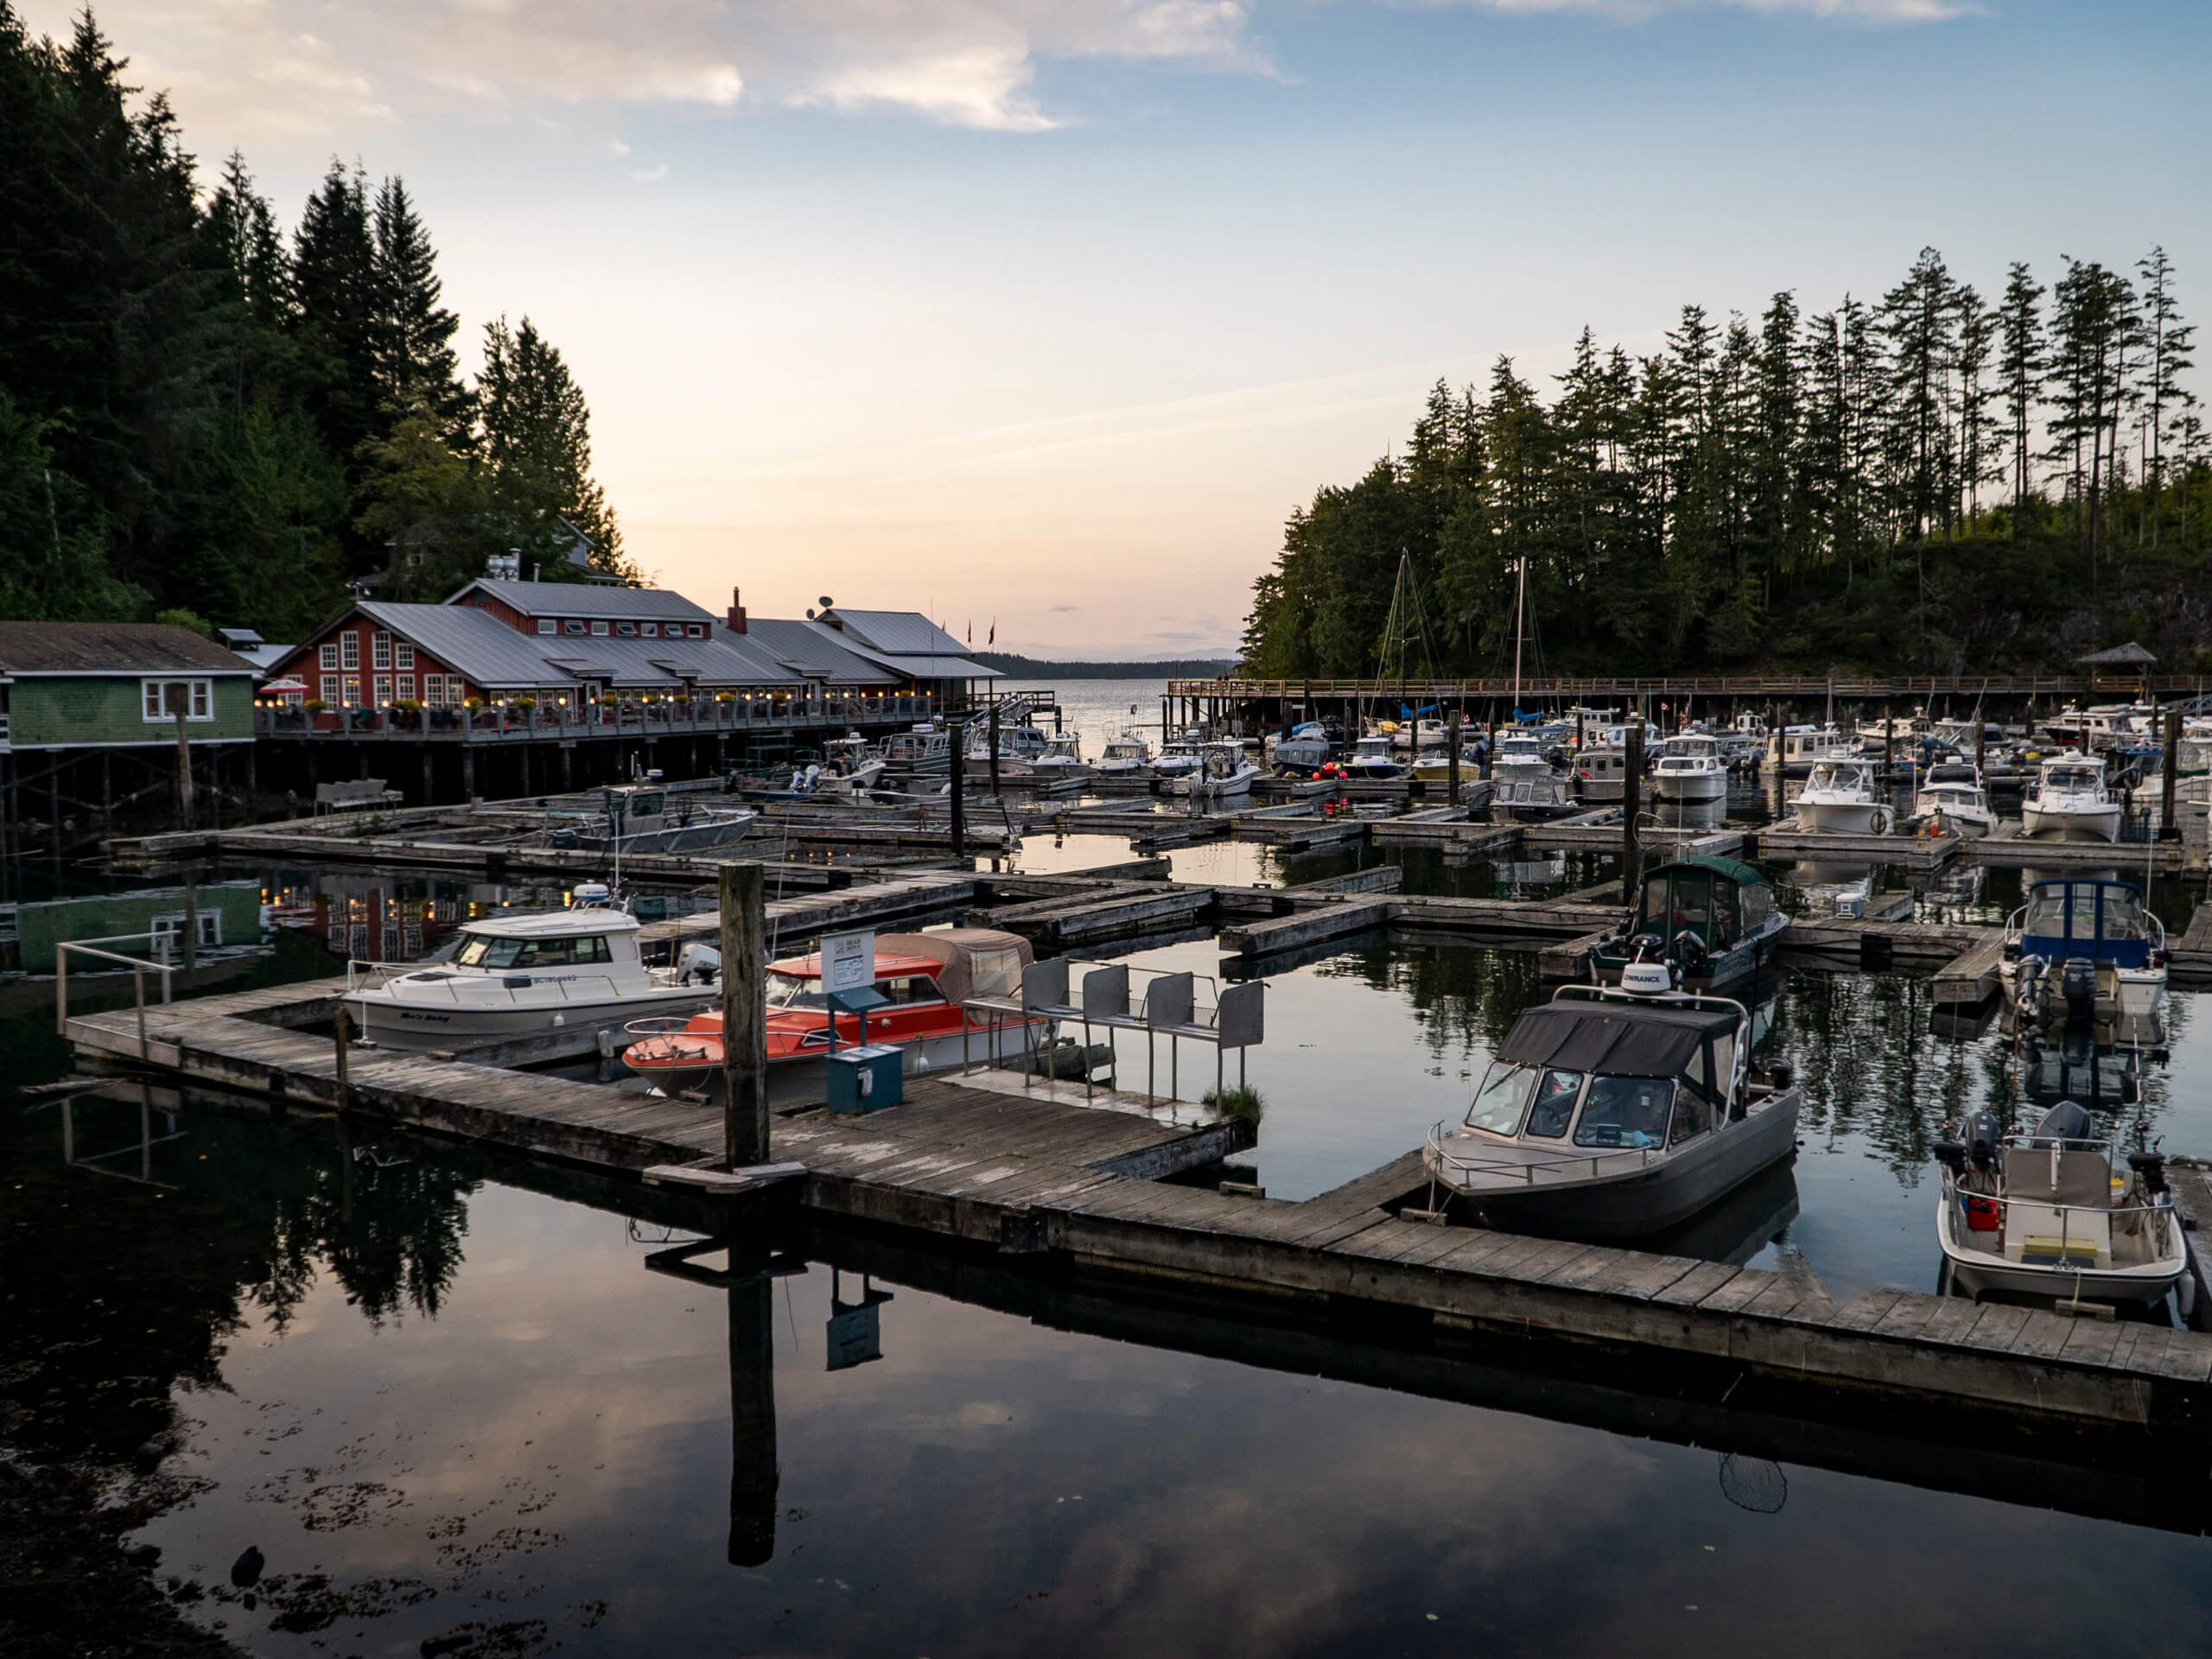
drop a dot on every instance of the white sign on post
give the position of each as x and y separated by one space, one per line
848 961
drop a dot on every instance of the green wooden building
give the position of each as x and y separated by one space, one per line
89 714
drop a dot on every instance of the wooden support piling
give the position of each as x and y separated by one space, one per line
745 1024
1631 805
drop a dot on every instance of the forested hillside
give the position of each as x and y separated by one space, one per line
201 411
1937 481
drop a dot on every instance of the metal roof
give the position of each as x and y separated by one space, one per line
904 632
586 599
2127 656
931 668
773 666
474 644
112 648
810 650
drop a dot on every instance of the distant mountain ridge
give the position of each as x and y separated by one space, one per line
1176 668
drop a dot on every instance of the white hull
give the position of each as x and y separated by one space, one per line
1971 823
1844 817
2100 822
1690 785
422 1023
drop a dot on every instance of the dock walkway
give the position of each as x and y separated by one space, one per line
1035 1168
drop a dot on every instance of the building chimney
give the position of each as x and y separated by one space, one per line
736 612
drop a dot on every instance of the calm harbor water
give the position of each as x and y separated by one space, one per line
449 1400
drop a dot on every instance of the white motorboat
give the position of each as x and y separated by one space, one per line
2106 726
1841 797
1062 758
1954 796
1521 755
1690 768
647 818
1434 766
526 975
1370 758
1601 773
2058 1213
2070 800
1125 755
1533 798
2087 949
1178 758
1225 769
1611 1113
850 764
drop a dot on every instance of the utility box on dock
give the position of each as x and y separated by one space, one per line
866 1079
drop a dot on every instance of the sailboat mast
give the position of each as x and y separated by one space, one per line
1520 610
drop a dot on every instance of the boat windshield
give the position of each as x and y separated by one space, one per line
1503 1098
2072 778
794 991
495 955
1625 1112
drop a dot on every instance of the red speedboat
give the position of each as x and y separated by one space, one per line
924 979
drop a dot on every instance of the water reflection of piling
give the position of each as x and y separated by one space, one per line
753 1475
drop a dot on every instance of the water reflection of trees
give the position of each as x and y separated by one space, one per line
1461 998
117 1291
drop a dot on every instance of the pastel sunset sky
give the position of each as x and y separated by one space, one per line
1051 311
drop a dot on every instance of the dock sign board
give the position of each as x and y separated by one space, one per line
848 961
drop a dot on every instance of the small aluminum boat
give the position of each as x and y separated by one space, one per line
1613 1113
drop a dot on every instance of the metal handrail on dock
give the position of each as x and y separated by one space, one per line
136 964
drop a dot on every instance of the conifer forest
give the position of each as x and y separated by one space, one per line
1940 479
206 416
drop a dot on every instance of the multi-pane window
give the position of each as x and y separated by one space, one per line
404 687
598 630
349 649
330 656
380 649
166 699
384 690
330 688
547 624
402 654
353 691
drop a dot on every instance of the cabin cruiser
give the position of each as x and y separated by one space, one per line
2051 1214
1434 765
1125 755
923 748
1841 797
1532 797
2106 726
1953 797
524 976
1601 774
1179 757
1805 746
924 980
2087 949
1304 748
1709 921
1611 1113
1522 752
1224 769
1370 758
2070 800
1690 768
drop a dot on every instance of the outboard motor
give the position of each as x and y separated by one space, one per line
1952 1154
2150 1168
1690 951
1982 1138
700 963
2065 1121
2077 979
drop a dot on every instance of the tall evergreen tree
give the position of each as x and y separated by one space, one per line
536 446
411 348
2020 367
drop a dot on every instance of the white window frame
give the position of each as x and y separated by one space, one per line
403 655
403 689
627 630
573 625
327 659
154 700
695 630
353 691
166 933
650 630
349 650
547 624
383 691
380 649
598 630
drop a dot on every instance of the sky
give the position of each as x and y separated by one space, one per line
1042 315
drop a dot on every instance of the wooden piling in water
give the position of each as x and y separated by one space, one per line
745 1022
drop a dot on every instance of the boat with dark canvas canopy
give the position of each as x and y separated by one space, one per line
1608 1113
1713 921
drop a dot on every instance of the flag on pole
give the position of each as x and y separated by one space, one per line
971 630
993 639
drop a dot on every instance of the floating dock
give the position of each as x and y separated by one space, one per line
1043 1170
